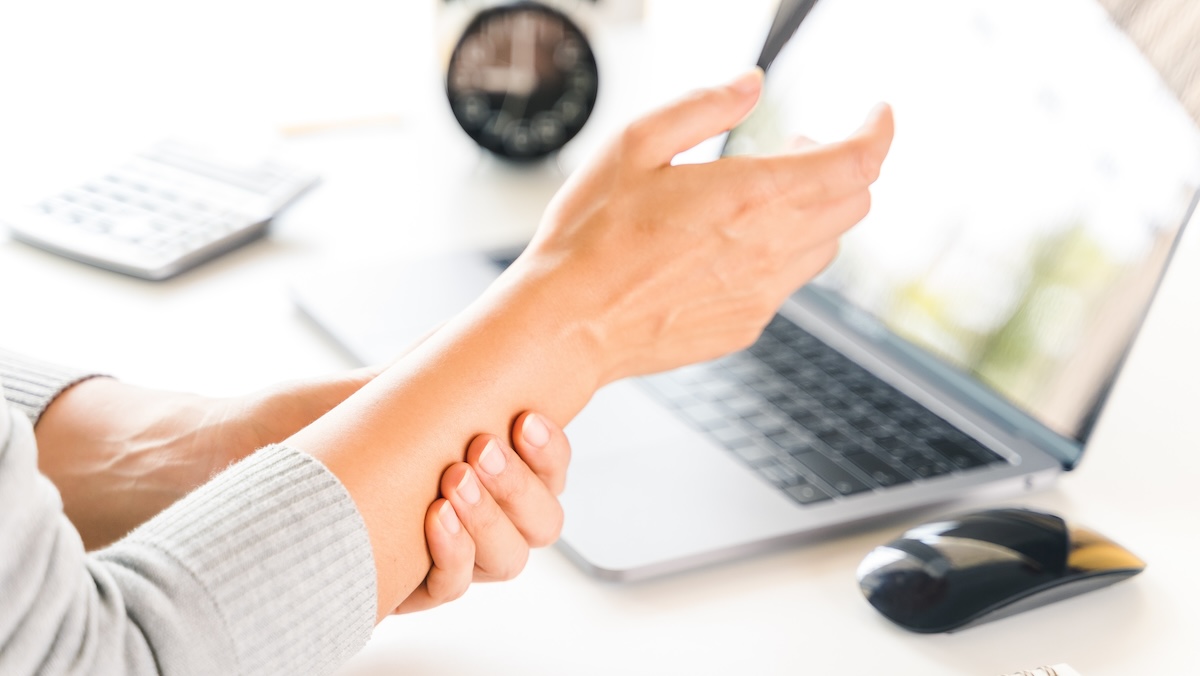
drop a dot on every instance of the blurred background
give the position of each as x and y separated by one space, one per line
1168 32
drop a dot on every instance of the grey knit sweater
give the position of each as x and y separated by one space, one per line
265 570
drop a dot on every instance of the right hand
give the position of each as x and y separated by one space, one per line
493 511
669 265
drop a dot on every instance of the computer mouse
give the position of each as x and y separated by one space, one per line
965 570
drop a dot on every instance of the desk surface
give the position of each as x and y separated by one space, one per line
80 94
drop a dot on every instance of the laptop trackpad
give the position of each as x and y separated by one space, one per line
645 490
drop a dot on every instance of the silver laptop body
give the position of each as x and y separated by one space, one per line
962 345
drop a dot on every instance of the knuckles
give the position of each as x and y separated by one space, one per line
548 529
637 134
446 593
866 167
511 567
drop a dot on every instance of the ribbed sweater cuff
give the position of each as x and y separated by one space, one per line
279 547
30 384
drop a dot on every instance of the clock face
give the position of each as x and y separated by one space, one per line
522 80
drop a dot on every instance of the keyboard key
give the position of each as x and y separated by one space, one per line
730 435
666 387
883 473
887 406
961 459
821 423
705 415
893 445
950 438
791 442
767 424
743 406
924 466
752 453
832 473
838 440
777 394
810 421
806 493
779 475
860 386
718 390
874 429
858 416
961 454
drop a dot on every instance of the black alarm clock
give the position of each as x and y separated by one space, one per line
522 79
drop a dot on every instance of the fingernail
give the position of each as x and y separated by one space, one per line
468 489
534 432
873 114
748 82
492 459
448 518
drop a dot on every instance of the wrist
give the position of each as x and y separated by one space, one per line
557 311
528 344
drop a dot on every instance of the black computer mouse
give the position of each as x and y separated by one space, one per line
972 568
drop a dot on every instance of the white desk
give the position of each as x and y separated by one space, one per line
83 86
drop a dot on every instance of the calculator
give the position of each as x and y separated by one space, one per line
164 211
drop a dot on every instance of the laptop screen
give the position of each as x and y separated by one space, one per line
1039 177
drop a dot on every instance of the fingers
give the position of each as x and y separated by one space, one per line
658 137
453 553
544 448
492 539
806 266
500 549
524 498
827 172
830 220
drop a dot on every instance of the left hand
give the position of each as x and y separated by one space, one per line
496 505
662 265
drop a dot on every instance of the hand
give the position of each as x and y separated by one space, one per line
678 264
638 266
119 454
496 505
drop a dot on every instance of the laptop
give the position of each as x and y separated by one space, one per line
962 345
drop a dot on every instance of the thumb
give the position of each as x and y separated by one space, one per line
654 140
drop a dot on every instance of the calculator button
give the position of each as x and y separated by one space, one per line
131 228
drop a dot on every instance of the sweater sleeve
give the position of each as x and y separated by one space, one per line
30 384
267 569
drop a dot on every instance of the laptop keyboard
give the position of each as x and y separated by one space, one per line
813 423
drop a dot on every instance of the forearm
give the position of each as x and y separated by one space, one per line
120 454
653 266
516 349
